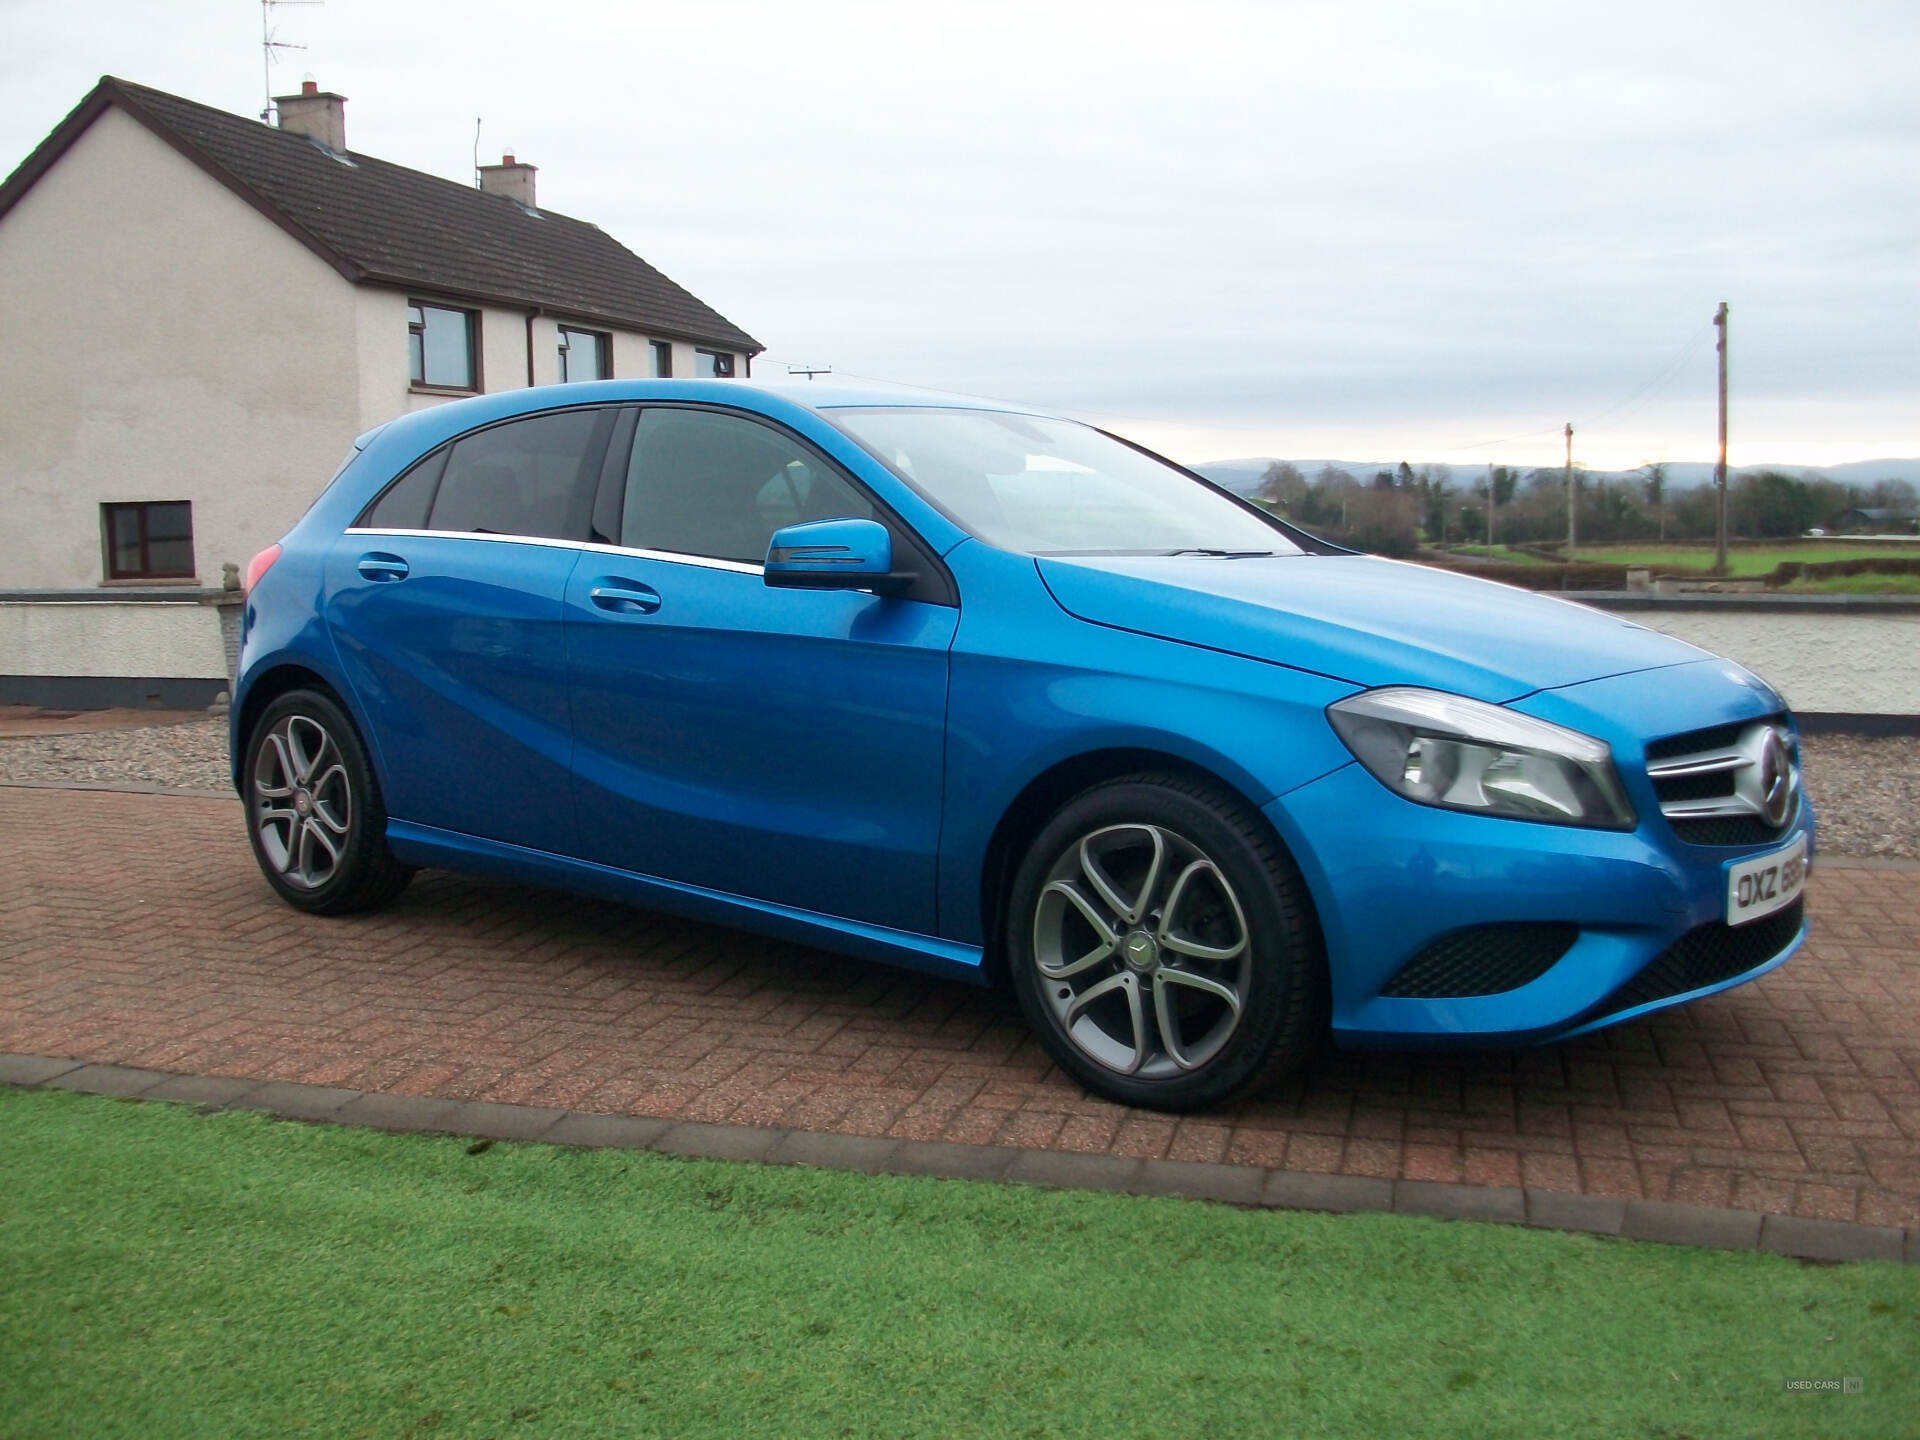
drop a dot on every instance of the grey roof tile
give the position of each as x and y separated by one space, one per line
381 223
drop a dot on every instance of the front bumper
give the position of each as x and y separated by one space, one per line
1390 877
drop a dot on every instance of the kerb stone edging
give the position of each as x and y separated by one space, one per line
1700 1225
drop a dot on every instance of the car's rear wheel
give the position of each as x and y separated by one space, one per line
314 812
1161 943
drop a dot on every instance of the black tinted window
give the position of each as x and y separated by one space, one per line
701 483
405 505
527 477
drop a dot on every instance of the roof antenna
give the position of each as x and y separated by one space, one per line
476 152
809 370
269 46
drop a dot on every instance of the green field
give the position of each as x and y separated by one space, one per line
167 1273
1498 552
1855 585
1741 561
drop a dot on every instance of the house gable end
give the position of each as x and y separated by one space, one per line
381 223
110 94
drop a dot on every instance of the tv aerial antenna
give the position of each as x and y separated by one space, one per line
809 370
270 46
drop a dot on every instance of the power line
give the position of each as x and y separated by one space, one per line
1508 440
1655 385
1643 394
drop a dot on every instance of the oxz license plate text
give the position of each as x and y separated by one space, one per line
1766 883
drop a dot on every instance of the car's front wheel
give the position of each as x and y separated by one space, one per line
1161 943
314 812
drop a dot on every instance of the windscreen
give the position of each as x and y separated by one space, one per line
1054 487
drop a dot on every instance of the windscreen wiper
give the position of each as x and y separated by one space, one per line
1225 554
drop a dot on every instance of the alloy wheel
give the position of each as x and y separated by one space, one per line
302 801
1143 951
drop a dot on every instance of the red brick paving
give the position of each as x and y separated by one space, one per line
135 929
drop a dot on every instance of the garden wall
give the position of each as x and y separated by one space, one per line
1844 662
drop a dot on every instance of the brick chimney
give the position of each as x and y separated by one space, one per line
509 178
315 113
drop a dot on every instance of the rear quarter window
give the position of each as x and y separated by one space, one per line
407 501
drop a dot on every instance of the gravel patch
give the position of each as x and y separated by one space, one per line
1867 790
1866 793
192 756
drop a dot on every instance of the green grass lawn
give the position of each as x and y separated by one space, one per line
1856 585
1741 561
165 1273
1498 552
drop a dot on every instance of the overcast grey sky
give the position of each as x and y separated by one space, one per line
1357 229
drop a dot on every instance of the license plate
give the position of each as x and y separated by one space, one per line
1766 883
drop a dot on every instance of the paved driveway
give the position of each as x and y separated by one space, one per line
135 929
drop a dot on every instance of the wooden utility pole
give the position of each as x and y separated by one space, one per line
1572 528
1720 469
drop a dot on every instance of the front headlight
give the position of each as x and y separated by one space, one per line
1462 754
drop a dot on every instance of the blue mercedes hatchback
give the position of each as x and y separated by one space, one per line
996 695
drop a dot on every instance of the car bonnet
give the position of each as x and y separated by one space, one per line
1362 619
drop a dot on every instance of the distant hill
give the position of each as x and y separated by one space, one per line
1243 476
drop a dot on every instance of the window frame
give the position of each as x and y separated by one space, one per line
580 513
421 384
934 584
662 359
108 508
602 345
717 356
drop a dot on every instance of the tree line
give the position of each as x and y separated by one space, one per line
1394 512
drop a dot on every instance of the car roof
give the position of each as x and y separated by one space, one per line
428 427
832 393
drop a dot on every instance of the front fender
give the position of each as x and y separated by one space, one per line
1017 711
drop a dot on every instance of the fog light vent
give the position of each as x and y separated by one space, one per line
1483 960
1708 955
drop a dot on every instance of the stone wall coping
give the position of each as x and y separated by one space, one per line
1748 600
126 595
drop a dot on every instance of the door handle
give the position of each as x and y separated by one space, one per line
378 566
625 597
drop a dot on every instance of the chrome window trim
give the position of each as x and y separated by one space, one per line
705 562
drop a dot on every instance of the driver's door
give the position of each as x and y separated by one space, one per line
784 745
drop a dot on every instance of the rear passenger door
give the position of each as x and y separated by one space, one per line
785 745
445 600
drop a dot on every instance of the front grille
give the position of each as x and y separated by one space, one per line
1675 746
1712 783
1484 960
1707 955
1728 830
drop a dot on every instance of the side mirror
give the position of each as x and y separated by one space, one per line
835 555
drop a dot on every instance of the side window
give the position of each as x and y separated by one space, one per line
526 477
406 502
440 346
149 541
704 483
585 355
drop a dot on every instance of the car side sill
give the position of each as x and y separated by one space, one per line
426 845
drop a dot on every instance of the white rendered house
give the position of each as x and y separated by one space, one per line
201 310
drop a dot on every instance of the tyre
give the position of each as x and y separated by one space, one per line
1162 945
314 813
